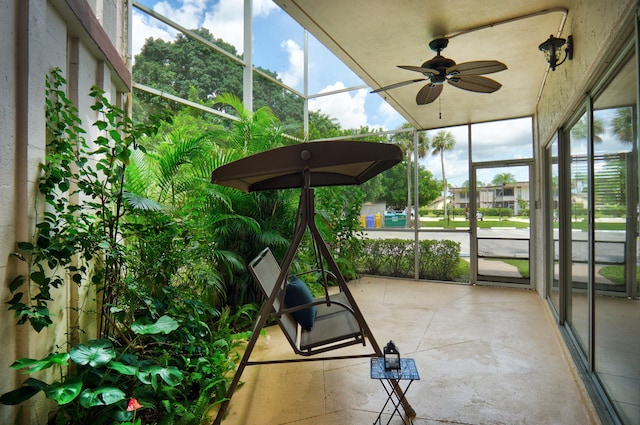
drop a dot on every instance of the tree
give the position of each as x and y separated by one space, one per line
390 187
502 179
404 140
622 124
186 66
321 125
441 142
579 130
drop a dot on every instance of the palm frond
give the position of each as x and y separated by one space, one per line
139 202
139 174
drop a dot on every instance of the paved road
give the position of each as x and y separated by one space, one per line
511 242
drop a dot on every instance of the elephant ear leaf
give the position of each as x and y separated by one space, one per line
170 375
64 393
102 396
98 353
164 325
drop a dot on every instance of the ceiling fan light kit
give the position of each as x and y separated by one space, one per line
437 70
552 49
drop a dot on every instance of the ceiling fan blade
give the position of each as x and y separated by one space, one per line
396 85
474 83
428 94
426 71
476 68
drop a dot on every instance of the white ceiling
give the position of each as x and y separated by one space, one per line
373 36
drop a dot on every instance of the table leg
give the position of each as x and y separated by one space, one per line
391 392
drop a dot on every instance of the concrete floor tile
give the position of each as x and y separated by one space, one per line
485 356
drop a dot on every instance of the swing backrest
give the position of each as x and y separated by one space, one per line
336 323
265 270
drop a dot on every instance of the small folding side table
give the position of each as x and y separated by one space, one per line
408 372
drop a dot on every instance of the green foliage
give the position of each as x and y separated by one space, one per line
623 124
72 239
521 265
616 274
94 392
337 216
439 259
502 179
166 251
390 187
144 228
395 257
496 212
321 125
194 71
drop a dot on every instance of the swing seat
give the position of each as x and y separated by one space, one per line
336 325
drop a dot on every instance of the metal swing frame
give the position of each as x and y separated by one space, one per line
341 308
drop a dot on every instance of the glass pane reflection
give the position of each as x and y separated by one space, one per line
577 308
617 309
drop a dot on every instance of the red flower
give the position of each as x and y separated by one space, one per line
133 405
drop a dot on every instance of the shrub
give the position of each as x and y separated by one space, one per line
395 257
439 259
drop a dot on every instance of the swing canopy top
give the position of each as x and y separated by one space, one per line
330 163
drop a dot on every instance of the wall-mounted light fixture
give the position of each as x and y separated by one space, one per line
552 49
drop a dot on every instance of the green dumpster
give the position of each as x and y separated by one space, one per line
395 219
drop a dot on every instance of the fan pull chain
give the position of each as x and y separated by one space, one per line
439 108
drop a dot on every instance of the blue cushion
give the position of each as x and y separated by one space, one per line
297 293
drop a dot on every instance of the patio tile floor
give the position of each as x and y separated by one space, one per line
485 356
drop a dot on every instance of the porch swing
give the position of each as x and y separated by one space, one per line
333 321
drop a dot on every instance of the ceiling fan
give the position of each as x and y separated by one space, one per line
437 70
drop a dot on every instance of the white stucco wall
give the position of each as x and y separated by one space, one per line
7 184
35 37
595 26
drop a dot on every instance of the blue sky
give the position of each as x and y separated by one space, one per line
278 46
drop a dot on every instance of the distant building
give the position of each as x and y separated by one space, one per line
510 195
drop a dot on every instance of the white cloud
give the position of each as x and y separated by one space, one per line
263 8
226 20
347 107
223 18
146 27
189 14
391 119
508 139
294 73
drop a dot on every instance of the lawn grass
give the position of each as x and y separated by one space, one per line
583 225
521 265
616 274
463 270
490 222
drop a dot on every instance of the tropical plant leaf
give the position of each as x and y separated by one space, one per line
164 325
99 352
124 369
122 415
30 388
140 202
64 393
33 365
170 375
102 396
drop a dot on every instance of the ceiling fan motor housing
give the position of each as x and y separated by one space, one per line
440 64
466 76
